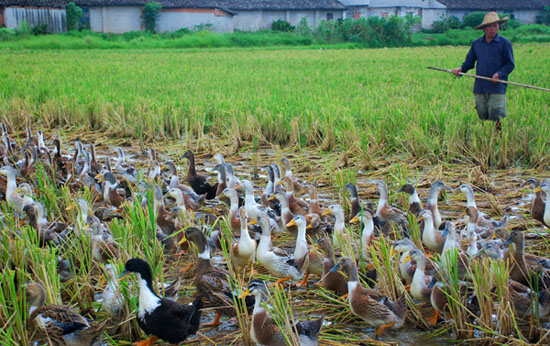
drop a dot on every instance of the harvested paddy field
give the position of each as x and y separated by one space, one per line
339 117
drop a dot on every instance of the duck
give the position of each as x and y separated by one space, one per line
296 185
211 282
253 208
112 300
113 194
523 299
406 268
432 204
296 205
104 248
278 262
243 251
163 318
385 212
185 200
415 206
16 200
234 218
332 281
341 237
483 219
525 268
372 306
265 331
419 285
95 167
286 214
367 234
126 171
270 187
45 236
199 183
59 324
220 169
453 245
545 187
432 237
537 205
303 249
355 203
314 207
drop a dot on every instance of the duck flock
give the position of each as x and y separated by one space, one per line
326 249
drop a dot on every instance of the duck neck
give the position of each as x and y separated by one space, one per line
339 224
419 275
434 195
546 215
265 241
368 232
382 200
148 300
470 199
301 243
413 198
11 185
429 230
192 170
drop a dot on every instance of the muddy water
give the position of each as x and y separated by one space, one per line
498 192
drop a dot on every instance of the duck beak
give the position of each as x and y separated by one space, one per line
420 218
244 294
71 207
407 259
291 223
252 222
508 241
123 275
335 268
355 219
309 226
272 197
182 241
326 212
462 214
393 252
538 189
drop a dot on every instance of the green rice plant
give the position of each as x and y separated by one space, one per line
281 311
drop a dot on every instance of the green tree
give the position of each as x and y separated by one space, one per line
151 12
74 13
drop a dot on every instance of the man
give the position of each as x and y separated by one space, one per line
495 59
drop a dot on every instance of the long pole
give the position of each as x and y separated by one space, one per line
489 79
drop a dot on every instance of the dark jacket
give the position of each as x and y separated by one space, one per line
496 56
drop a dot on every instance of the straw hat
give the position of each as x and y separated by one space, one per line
490 18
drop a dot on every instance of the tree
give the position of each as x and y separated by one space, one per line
151 12
74 13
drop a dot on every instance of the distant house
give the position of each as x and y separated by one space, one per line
13 13
526 11
118 16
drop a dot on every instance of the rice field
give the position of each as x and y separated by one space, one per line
339 116
365 103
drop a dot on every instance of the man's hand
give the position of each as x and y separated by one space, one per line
494 79
456 71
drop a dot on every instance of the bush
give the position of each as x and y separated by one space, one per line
73 13
303 28
151 12
473 19
544 18
7 34
282 26
40 29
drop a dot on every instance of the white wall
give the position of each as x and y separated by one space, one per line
171 21
259 20
55 18
115 19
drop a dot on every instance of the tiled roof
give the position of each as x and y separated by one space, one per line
222 4
488 5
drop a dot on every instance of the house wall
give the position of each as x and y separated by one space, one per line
1 16
174 19
115 19
259 20
524 16
54 17
430 15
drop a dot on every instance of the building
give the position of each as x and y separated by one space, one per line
525 11
119 16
